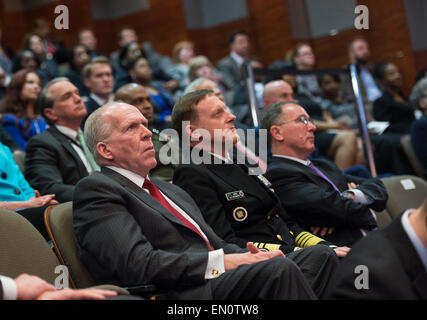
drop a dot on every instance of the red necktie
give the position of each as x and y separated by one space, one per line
155 192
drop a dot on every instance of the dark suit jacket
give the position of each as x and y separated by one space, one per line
126 237
1 291
419 138
395 269
312 201
238 206
400 115
230 71
52 165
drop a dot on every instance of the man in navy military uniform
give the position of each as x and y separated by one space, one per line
238 206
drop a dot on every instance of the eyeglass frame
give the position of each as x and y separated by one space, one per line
302 118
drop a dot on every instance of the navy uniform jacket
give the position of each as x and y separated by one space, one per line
312 201
241 207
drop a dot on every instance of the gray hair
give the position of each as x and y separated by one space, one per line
194 85
270 116
45 100
419 91
97 130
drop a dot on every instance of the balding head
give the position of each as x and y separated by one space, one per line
117 135
277 91
136 95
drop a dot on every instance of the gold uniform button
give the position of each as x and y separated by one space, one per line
279 237
215 272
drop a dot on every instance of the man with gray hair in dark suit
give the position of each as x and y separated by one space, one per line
133 230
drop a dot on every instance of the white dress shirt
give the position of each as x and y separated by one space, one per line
215 265
10 291
420 248
101 101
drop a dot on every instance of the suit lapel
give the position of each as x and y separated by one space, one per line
66 143
408 256
277 162
142 195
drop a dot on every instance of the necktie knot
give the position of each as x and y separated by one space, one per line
149 186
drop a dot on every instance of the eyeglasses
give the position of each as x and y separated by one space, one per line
302 119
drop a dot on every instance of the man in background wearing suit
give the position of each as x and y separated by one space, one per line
316 193
231 66
58 158
132 230
99 80
393 260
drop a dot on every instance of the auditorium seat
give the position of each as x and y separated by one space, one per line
59 225
404 192
19 158
416 164
24 250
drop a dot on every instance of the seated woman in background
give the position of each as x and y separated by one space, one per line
182 53
80 57
161 100
201 67
17 195
334 104
20 116
48 68
393 106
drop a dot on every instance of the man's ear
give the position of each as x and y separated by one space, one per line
50 114
276 134
192 132
104 151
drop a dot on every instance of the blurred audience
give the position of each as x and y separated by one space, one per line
393 106
20 115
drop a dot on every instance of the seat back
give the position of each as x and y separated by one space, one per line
383 218
404 192
19 158
59 225
23 249
412 157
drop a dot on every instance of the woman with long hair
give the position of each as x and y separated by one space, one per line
20 115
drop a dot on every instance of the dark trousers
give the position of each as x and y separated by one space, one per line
36 217
318 264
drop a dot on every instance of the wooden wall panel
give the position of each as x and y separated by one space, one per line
163 24
388 36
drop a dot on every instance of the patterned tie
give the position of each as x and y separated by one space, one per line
320 173
88 154
155 192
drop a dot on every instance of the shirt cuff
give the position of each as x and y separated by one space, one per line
360 197
215 264
10 291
